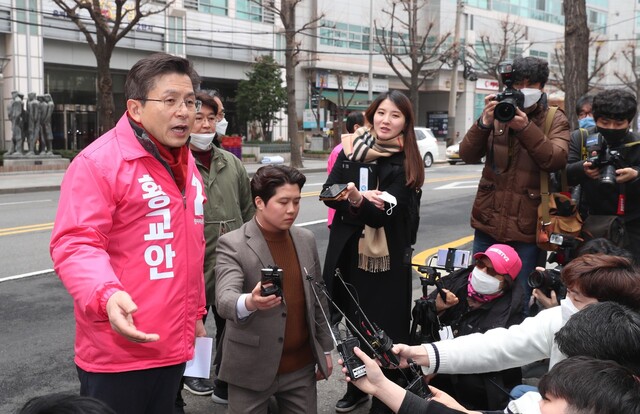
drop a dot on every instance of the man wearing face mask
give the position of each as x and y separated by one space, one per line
584 111
221 122
613 111
506 205
229 205
479 298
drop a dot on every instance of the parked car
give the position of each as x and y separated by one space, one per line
427 144
453 154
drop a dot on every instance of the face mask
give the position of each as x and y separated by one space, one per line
614 137
586 122
483 283
568 309
531 96
391 199
201 141
221 126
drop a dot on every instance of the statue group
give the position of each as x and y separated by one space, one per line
32 124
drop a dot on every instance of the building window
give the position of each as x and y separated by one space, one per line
27 16
175 36
248 10
539 54
218 7
351 36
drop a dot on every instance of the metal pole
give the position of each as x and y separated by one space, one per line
454 77
371 33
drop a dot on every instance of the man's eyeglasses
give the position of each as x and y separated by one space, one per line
173 104
212 119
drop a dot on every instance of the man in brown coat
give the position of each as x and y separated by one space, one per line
506 205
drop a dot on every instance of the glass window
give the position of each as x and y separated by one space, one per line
248 10
344 35
540 54
478 105
27 17
175 37
218 7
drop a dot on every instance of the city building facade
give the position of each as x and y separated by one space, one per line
340 64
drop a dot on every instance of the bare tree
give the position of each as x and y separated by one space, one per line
631 79
489 51
576 39
103 35
287 13
344 100
409 47
595 72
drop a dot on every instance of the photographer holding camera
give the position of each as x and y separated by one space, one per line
275 335
606 164
589 279
510 133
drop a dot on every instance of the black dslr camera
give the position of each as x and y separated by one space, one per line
547 281
601 156
510 98
272 277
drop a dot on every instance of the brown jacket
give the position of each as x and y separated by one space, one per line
506 205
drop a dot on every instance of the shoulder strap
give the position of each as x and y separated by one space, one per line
583 149
551 113
544 176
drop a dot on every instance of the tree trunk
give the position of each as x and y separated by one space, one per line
414 95
576 79
289 21
106 105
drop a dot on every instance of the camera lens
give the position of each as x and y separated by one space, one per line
536 279
505 110
608 175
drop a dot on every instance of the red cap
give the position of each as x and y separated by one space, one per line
504 258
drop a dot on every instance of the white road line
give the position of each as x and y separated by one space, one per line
24 202
311 223
26 275
457 185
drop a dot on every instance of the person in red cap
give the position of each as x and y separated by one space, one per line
478 298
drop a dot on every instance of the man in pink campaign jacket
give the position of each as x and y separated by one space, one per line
128 244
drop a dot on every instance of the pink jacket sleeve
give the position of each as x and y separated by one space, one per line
79 239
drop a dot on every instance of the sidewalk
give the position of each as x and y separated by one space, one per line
22 182
11 183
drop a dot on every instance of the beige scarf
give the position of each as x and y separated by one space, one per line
362 146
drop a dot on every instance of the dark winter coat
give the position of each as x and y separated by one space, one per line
385 297
602 199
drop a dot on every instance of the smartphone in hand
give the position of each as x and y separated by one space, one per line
333 192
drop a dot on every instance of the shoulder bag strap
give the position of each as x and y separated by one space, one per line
544 176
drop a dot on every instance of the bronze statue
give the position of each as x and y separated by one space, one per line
33 115
46 109
15 113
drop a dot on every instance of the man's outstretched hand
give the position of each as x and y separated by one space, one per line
120 309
